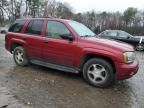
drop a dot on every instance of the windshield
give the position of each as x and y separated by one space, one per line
125 33
81 29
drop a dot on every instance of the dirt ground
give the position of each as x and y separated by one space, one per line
39 87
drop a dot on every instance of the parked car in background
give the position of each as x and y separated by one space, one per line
136 41
70 46
4 29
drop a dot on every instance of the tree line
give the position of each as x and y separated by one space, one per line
131 20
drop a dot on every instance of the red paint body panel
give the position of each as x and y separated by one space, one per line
125 71
72 53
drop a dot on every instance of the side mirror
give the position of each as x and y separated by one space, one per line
67 37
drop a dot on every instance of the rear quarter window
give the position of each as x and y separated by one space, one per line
17 26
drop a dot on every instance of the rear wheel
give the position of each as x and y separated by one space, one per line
20 57
98 72
139 47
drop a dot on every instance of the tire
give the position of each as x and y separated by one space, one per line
98 72
140 47
20 57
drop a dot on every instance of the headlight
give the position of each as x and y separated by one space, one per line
129 57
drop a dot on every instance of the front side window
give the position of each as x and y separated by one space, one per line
110 33
35 27
17 26
124 34
81 29
56 30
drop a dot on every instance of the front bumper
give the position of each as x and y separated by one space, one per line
125 71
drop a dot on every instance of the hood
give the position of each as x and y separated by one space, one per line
113 44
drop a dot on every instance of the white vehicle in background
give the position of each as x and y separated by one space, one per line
4 29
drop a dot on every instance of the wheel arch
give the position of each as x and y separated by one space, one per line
90 56
14 45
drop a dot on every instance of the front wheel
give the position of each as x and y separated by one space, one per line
20 57
98 72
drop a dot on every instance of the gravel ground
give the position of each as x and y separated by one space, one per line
40 87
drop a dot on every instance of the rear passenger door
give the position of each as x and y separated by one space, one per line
33 37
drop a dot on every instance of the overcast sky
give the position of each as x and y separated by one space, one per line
104 5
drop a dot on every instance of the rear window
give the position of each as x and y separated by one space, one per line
17 26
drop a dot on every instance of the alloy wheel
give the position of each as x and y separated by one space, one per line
97 73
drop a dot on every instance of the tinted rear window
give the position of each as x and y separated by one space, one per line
35 27
17 26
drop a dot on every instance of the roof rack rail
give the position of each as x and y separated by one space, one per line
45 17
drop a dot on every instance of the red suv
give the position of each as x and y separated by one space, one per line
70 46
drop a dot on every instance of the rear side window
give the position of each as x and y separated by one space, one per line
34 27
17 26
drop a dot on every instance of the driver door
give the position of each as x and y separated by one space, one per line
56 49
